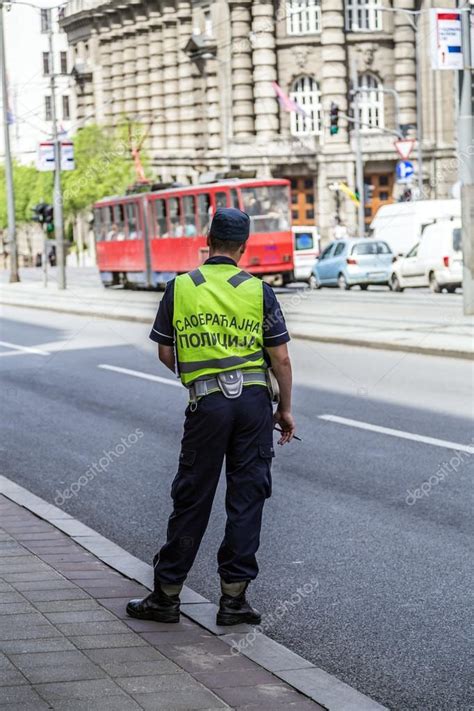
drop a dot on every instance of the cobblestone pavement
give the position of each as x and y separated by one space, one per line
66 642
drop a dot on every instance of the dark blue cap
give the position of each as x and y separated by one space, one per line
231 224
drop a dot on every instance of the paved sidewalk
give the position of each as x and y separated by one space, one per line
432 324
67 644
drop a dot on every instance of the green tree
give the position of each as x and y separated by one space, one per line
103 167
30 187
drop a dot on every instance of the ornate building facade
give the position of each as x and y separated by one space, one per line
200 74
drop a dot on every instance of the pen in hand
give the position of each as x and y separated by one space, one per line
278 429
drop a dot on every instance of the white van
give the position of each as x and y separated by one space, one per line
401 224
306 251
436 261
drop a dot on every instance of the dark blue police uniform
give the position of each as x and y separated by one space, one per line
239 430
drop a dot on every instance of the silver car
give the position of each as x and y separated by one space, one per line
353 262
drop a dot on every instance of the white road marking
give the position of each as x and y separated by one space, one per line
24 349
139 374
398 433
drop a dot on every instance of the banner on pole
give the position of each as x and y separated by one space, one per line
446 39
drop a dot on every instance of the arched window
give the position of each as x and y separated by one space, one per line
363 16
370 101
306 93
303 17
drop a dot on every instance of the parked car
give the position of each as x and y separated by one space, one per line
306 250
401 224
350 262
436 261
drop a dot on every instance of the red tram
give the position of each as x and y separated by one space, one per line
146 239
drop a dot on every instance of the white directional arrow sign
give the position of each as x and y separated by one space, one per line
404 147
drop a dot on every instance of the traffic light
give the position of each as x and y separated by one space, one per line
49 215
334 119
368 192
44 214
38 212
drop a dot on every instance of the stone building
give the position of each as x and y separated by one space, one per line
200 74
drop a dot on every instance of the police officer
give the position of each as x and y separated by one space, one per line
220 328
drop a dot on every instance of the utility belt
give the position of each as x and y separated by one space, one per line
231 382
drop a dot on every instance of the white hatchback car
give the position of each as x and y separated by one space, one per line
436 261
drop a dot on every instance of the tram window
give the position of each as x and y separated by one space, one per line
99 225
204 212
159 217
268 207
234 198
189 209
221 200
118 226
174 211
132 221
110 232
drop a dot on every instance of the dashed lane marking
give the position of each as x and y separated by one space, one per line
140 374
398 433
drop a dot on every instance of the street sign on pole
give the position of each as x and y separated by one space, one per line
404 171
46 156
404 147
446 39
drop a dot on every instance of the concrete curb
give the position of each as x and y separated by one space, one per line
338 340
299 673
386 346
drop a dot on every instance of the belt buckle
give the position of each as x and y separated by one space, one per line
231 383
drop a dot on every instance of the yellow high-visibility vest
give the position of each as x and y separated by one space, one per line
218 321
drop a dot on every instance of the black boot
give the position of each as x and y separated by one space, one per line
234 608
157 606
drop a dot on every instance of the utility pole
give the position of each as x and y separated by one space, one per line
358 147
14 277
466 167
419 105
57 196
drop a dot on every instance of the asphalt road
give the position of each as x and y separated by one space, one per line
389 614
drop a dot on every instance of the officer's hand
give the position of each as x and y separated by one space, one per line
287 424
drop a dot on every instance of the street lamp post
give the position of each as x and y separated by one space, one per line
57 198
359 158
466 167
14 277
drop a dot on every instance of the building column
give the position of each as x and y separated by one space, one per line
117 69
404 65
155 67
142 78
334 73
336 160
264 73
129 64
185 78
241 61
106 60
212 105
81 89
170 77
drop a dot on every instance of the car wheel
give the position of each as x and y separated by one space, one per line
434 286
342 283
314 282
394 283
451 289
364 287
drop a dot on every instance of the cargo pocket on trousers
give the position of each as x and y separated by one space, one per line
266 453
183 488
